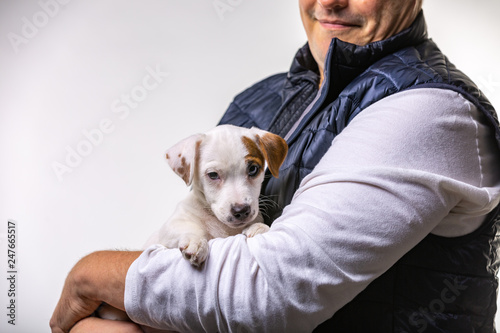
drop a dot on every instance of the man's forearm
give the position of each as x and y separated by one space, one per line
102 276
98 277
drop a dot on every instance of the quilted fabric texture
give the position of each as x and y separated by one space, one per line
291 105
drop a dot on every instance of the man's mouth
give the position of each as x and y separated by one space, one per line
330 24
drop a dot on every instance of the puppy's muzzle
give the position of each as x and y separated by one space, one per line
241 211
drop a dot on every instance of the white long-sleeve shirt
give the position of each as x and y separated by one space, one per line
417 162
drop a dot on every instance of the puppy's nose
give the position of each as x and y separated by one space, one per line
240 212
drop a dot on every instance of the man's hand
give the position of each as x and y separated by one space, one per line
98 277
93 325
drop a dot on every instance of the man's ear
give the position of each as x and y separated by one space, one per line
183 155
274 149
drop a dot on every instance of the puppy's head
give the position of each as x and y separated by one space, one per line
226 168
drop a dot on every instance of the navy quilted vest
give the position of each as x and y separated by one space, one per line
456 277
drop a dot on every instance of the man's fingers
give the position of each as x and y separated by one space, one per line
96 278
69 311
72 306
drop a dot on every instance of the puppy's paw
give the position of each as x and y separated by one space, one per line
194 249
255 229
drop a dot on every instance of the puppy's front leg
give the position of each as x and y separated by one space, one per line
186 231
194 248
255 229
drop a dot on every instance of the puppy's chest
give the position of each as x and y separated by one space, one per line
217 229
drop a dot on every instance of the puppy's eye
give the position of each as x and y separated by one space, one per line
253 170
213 175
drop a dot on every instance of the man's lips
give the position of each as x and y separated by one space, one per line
336 24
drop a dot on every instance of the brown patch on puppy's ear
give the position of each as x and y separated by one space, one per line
184 170
274 149
183 156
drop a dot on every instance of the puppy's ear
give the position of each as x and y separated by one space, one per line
274 149
182 157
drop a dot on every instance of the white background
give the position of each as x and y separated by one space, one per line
64 77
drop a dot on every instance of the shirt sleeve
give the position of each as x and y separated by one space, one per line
414 163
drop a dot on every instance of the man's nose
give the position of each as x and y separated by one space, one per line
333 4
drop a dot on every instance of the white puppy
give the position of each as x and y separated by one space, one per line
225 167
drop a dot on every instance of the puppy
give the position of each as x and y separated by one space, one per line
225 168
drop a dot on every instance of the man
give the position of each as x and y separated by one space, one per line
390 193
